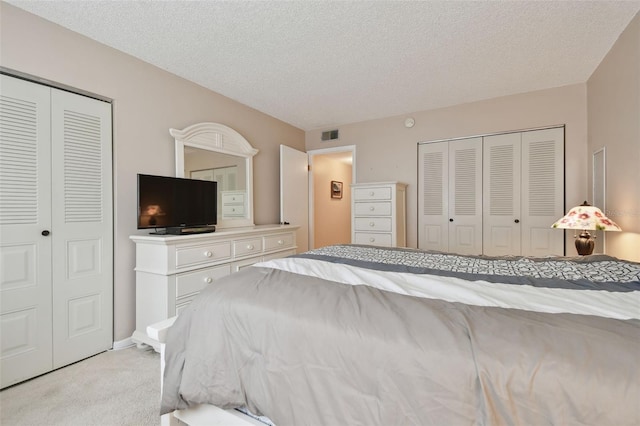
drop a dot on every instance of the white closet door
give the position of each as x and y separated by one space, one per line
433 199
501 211
542 191
465 196
82 223
25 202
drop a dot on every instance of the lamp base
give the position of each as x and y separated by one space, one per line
585 244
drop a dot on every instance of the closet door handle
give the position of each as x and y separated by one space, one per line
517 221
45 233
451 220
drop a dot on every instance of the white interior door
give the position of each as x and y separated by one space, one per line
294 193
502 214
82 227
465 196
433 199
542 191
25 253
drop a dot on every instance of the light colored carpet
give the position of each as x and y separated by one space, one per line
112 388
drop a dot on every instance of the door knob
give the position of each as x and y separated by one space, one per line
45 233
517 221
451 220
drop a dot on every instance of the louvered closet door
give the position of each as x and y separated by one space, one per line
465 196
501 182
82 222
433 199
542 191
25 202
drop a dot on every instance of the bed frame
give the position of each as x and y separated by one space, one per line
200 415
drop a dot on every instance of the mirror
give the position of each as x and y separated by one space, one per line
213 151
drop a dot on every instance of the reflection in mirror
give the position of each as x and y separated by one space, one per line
228 170
212 151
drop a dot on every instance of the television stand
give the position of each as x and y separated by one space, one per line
188 230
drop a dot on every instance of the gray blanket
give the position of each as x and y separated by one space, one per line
304 351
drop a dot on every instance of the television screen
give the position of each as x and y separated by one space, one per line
169 202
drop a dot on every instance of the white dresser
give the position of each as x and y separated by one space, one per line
171 270
378 215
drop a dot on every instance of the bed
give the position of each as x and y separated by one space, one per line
352 334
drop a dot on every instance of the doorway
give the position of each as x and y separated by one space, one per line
332 173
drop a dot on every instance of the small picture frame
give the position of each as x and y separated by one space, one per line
336 189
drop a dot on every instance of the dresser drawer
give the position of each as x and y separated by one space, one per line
372 193
247 247
274 242
373 239
372 209
233 210
187 256
382 224
234 198
192 282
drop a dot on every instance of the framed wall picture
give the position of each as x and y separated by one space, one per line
336 189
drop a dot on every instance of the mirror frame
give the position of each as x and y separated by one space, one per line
223 139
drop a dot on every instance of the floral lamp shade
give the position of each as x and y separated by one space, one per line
586 217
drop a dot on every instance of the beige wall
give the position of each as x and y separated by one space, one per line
146 103
614 123
387 151
332 216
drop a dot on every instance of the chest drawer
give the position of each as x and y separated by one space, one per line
373 209
232 210
373 239
188 256
274 242
372 193
381 224
233 198
192 282
247 247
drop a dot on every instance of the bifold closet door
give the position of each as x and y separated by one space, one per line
542 191
502 218
25 216
82 223
450 201
56 232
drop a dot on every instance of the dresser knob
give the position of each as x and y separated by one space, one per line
208 280
371 240
372 193
280 242
372 208
208 253
372 224
249 246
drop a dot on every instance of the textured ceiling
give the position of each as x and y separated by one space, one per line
319 64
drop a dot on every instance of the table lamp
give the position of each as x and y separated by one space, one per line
586 217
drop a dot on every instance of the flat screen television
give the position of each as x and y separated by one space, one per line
176 205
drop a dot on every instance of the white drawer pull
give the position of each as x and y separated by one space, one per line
250 247
372 224
372 193
208 280
208 253
371 240
280 242
372 208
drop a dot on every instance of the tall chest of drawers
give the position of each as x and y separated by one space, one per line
172 270
378 214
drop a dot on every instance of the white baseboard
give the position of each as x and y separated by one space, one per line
123 344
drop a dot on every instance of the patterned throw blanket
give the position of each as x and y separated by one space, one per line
599 272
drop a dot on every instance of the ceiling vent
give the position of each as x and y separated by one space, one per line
330 135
